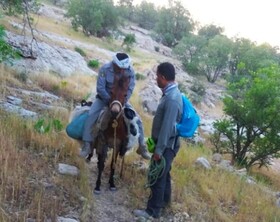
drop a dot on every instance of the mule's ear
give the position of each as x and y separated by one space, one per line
129 113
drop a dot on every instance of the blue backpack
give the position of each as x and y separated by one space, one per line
189 121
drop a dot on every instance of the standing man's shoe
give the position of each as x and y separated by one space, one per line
85 150
142 150
141 213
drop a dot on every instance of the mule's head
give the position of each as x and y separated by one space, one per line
118 94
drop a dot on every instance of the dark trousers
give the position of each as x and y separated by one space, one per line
161 191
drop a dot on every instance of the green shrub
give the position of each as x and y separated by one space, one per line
198 88
128 41
93 63
45 126
80 51
139 76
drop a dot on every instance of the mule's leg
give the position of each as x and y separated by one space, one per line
121 173
100 165
112 173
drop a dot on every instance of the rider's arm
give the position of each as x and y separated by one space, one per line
101 86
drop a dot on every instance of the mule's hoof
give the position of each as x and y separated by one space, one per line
113 188
97 192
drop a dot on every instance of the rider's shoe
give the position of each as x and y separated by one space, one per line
85 150
142 150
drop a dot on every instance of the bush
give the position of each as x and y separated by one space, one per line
128 41
139 76
93 63
157 48
80 51
198 88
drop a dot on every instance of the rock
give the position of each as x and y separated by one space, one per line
217 158
278 202
62 219
201 161
67 169
47 58
53 12
226 165
18 110
241 172
14 100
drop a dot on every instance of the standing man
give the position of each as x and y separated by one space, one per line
164 134
120 65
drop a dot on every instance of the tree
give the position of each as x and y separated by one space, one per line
252 128
126 9
96 17
188 51
146 15
213 61
12 7
173 24
210 31
247 57
24 8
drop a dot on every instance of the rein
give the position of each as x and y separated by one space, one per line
115 125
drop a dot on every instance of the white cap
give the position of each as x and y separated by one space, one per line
123 64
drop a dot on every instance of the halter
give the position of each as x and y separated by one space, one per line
120 105
115 125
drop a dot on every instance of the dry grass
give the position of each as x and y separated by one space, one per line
29 161
30 184
207 195
74 88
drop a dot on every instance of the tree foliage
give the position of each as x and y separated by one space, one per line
12 6
6 51
210 31
146 15
252 128
126 9
173 24
15 7
214 57
188 51
247 57
95 17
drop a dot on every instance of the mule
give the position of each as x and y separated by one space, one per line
112 131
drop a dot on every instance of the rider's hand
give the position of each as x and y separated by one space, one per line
156 157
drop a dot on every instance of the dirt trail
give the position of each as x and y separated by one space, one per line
109 206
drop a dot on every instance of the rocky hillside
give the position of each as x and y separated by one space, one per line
54 54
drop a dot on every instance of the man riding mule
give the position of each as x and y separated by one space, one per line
112 131
106 76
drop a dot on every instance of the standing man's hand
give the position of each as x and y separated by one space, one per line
156 157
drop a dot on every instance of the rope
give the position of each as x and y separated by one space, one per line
155 171
114 125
